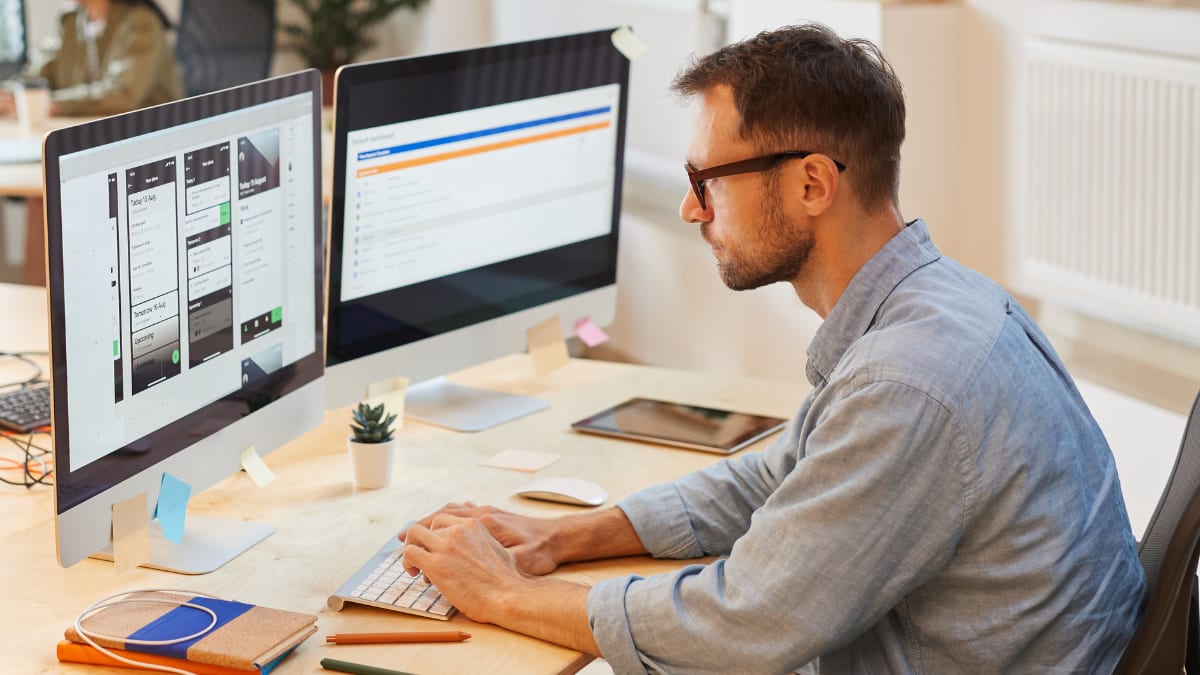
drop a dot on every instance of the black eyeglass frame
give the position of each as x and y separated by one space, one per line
752 165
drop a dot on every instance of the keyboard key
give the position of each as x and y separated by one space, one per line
25 409
385 582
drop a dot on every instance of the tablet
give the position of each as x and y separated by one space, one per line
677 424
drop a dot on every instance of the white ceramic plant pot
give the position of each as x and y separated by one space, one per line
371 463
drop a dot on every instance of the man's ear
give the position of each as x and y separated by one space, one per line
821 182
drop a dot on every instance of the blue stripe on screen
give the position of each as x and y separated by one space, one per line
397 149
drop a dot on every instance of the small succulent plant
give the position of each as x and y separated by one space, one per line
372 424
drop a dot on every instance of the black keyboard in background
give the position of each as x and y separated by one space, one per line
25 409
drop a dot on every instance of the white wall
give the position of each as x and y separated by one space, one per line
439 26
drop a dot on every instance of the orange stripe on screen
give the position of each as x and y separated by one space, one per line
465 152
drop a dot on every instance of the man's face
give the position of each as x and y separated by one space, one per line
756 234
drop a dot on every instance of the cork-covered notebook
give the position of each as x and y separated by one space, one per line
246 637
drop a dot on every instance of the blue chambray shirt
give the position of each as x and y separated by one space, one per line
943 502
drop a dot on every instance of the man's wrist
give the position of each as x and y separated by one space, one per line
592 536
552 609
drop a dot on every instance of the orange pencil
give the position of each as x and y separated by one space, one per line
410 636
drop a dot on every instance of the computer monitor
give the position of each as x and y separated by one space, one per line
12 37
475 194
185 265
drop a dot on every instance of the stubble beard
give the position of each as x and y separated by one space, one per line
785 247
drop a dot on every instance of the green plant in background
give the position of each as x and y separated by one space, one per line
335 32
370 425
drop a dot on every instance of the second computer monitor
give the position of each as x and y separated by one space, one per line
476 193
185 276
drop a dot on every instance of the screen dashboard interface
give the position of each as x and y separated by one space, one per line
444 194
471 185
187 271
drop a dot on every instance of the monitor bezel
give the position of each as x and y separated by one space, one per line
75 488
340 351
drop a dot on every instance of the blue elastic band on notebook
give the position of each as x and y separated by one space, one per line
183 621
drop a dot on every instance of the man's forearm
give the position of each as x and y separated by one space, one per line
551 609
592 536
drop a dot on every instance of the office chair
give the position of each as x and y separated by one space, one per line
1167 639
223 43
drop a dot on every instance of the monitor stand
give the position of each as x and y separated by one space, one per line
207 544
460 408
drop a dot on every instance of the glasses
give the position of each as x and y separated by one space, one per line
752 165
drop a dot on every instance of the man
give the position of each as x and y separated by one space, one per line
943 502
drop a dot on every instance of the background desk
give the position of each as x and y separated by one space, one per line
325 528
24 180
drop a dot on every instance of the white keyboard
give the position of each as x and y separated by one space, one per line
382 582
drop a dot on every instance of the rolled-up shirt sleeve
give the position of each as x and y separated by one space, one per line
818 549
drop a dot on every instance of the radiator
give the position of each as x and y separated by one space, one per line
1110 220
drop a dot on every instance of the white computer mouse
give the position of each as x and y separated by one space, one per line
564 490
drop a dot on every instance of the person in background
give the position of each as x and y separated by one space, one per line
107 57
942 502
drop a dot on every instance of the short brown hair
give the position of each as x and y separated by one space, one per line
806 88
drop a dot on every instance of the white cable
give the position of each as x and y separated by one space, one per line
121 599
37 458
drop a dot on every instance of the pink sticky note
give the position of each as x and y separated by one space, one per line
589 332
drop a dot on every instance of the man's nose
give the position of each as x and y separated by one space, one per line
690 210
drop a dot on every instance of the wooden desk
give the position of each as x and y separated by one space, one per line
325 528
22 329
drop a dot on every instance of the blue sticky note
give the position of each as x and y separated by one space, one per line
172 506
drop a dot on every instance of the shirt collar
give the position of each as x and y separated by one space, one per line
858 305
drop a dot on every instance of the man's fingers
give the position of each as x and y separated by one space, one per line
413 559
427 521
417 548
443 520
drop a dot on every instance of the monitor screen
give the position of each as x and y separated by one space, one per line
185 260
469 188
12 37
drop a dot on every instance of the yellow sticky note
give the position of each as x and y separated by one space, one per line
627 43
131 533
547 347
256 467
389 392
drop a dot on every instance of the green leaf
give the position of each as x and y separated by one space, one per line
335 32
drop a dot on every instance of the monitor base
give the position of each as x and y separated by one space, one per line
207 544
460 408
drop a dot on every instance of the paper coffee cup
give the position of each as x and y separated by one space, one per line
32 101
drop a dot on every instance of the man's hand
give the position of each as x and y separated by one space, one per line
480 577
465 562
530 541
8 103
